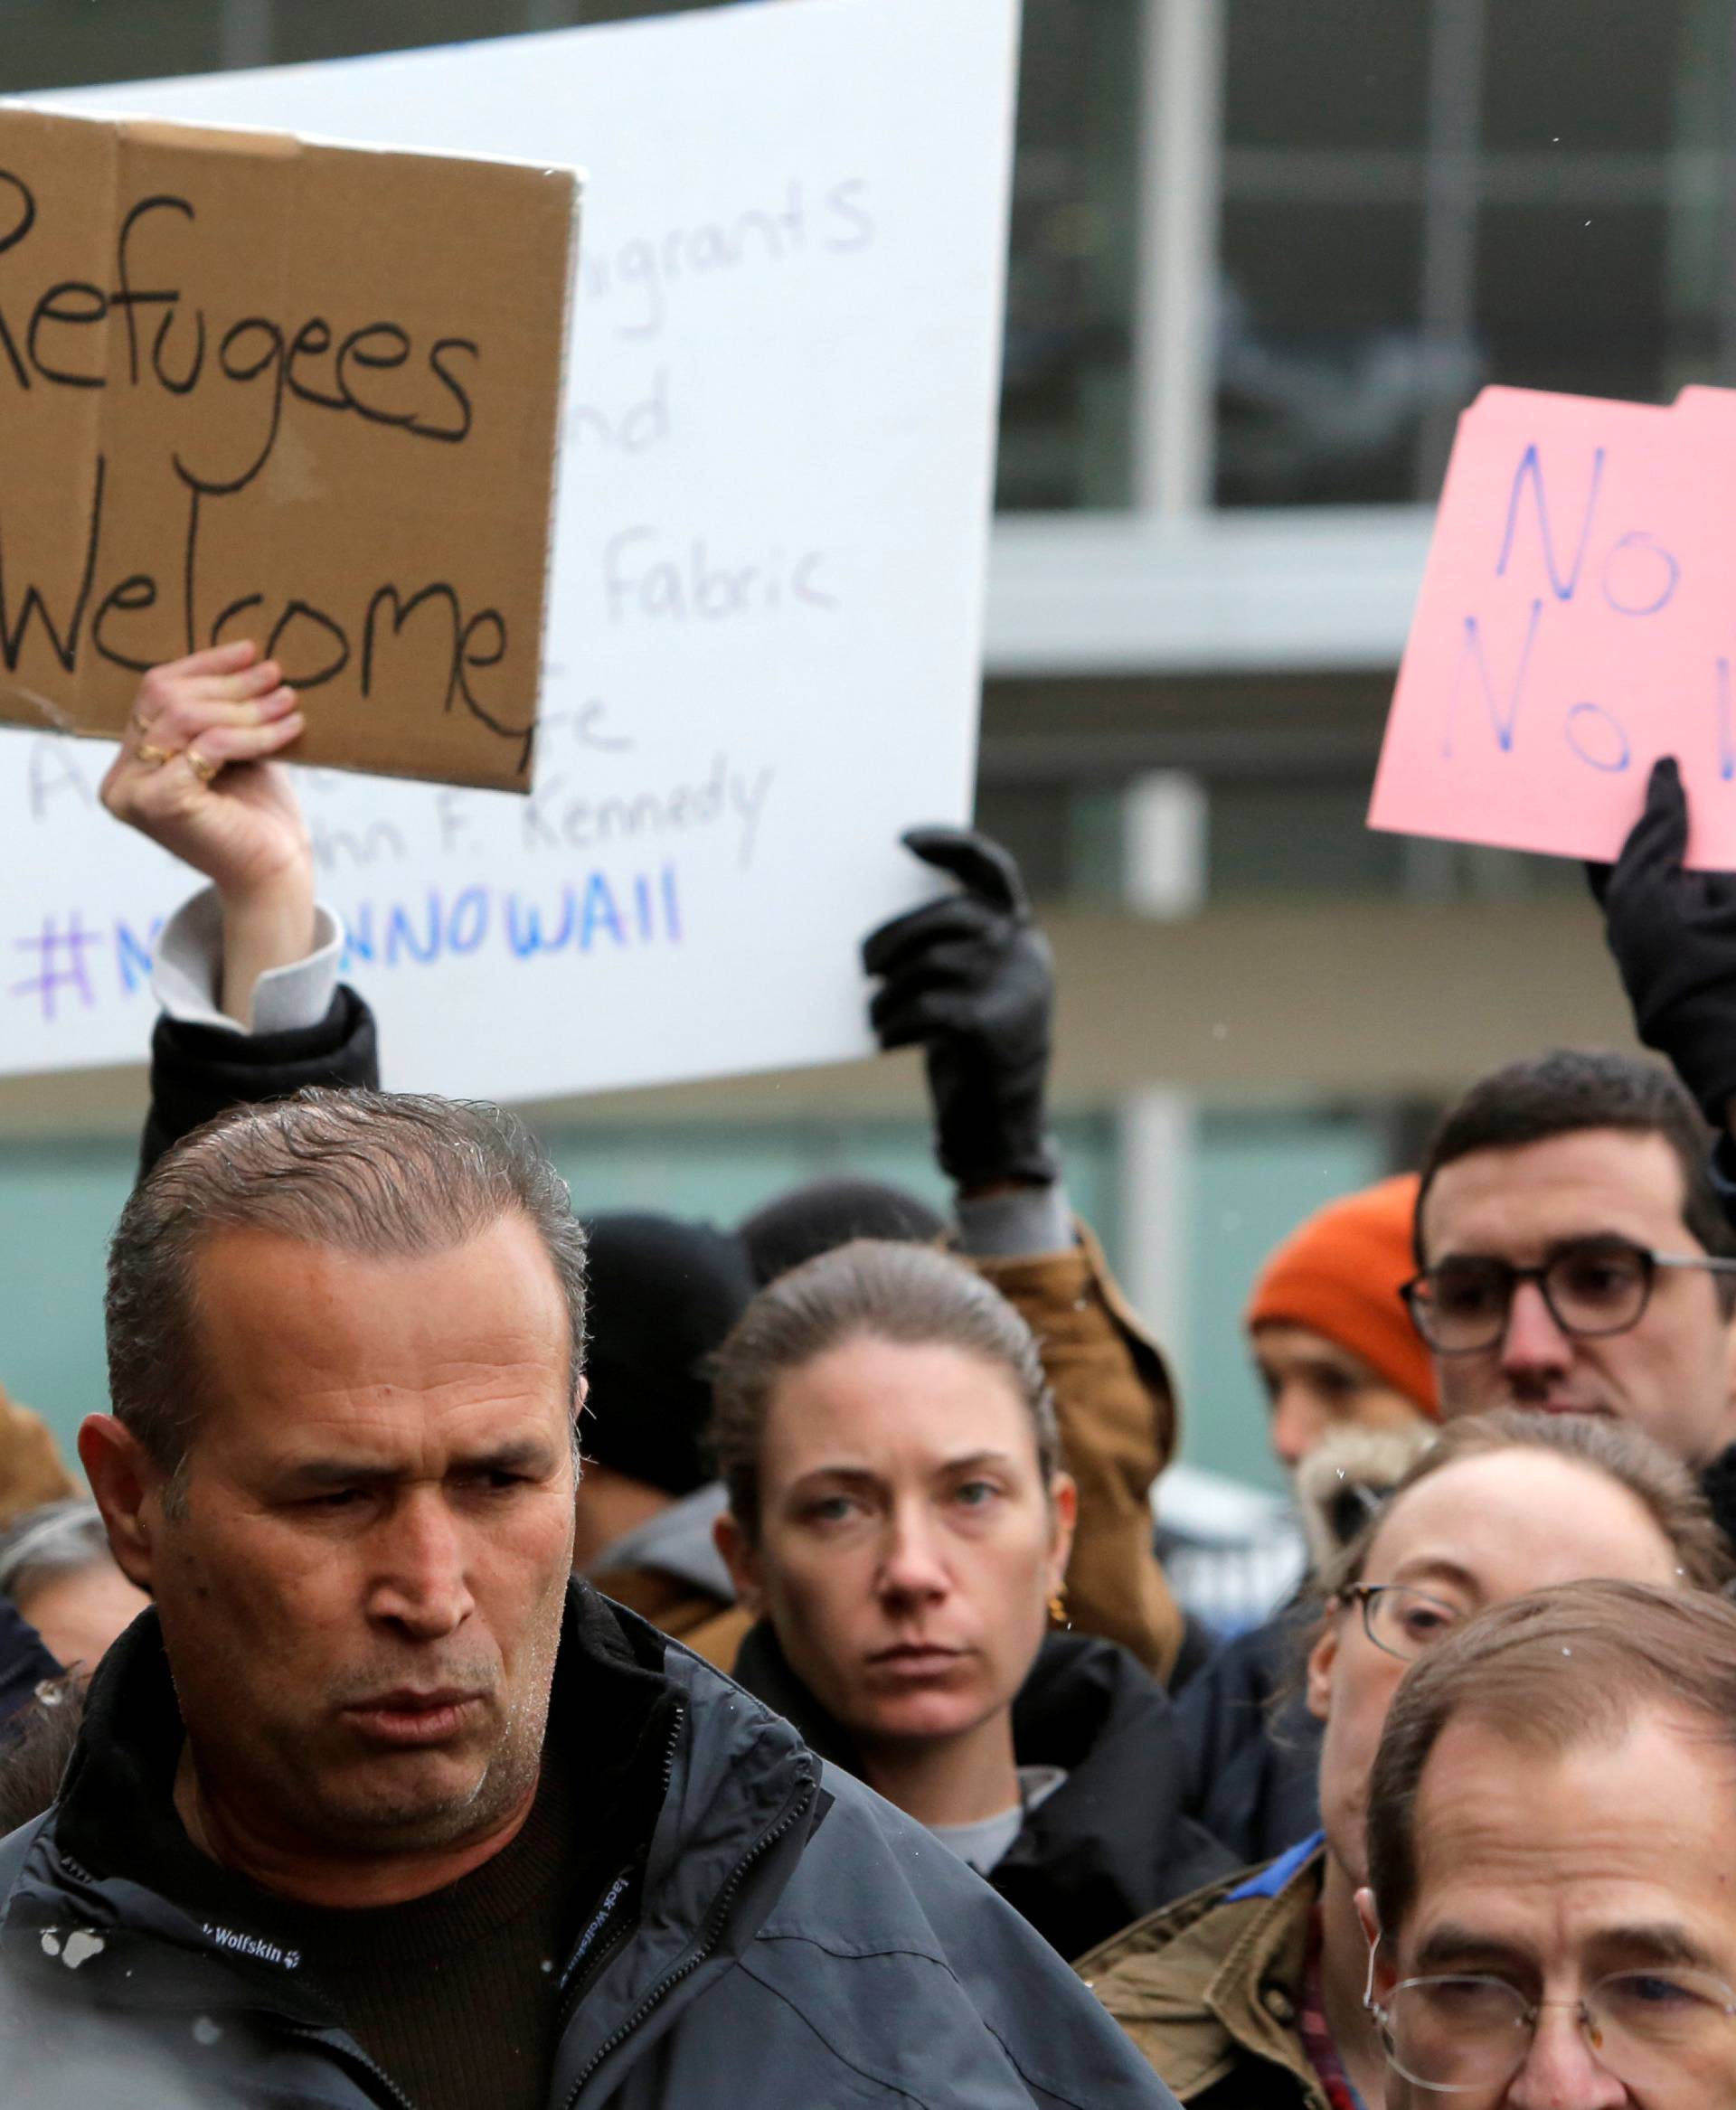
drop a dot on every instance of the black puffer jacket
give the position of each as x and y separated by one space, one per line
1112 1843
796 1939
1252 1748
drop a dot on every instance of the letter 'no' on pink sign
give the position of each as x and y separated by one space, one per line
1578 619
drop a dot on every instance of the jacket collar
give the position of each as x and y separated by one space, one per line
1114 1840
1216 1982
1257 1991
115 1839
737 1798
729 1781
115 1810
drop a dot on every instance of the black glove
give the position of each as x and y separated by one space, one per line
970 978
1674 935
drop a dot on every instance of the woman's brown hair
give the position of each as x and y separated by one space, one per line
872 1289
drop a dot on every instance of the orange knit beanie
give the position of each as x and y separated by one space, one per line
1340 1274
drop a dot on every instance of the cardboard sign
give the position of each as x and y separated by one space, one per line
255 387
765 643
1577 620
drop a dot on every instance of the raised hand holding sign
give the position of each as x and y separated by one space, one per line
256 389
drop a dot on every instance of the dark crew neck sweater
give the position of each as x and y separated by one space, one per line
457 1997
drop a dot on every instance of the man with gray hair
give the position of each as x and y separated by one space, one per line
378 1804
1549 1904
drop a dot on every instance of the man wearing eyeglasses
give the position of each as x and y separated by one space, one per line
1575 1253
1573 1226
1575 1256
1549 1899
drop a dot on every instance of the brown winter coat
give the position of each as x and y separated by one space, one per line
1118 1432
1210 1988
30 1471
679 1608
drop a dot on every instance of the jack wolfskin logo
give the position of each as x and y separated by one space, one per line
247 1944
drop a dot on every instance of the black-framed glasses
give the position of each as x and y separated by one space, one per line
1656 2031
1405 1623
1593 1286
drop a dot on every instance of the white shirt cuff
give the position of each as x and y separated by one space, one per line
187 975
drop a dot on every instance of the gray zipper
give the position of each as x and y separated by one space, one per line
354 2054
793 1812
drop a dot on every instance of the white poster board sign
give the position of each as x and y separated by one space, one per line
767 587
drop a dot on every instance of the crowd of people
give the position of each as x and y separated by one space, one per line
487 1658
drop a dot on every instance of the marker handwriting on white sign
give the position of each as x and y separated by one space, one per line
766 585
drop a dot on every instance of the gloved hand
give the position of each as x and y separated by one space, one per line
1674 935
970 979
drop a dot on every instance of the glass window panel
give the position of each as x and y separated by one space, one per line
1571 298
1335 73
338 29
58 1203
335 29
1584 74
1284 838
45 43
1323 377
1065 384
1595 208
1032 820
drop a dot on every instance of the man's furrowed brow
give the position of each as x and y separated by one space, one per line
528 1454
315 1475
525 1455
1660 1945
1660 1942
1453 1947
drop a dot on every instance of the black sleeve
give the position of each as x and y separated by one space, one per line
1252 1748
197 1072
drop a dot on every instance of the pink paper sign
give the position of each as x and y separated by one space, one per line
1578 619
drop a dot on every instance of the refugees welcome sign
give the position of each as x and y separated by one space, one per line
255 387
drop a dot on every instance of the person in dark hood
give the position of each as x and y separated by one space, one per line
664 1294
813 1218
899 1522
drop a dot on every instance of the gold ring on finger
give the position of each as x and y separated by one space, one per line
139 723
154 758
204 767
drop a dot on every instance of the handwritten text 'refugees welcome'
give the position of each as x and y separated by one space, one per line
140 334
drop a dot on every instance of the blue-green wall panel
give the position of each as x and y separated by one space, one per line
1255 1177
59 1203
